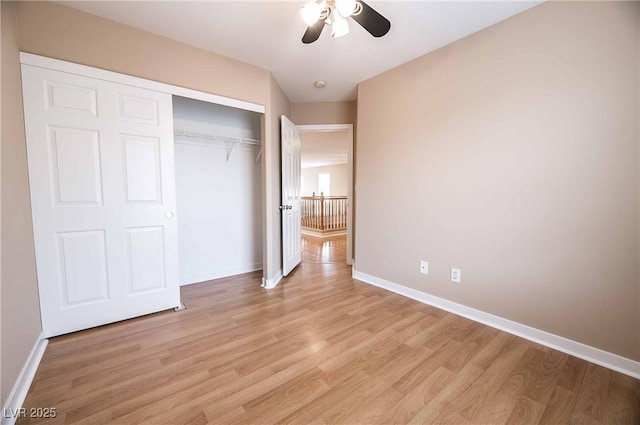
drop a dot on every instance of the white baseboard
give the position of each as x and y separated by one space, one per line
219 272
271 283
317 234
21 387
565 345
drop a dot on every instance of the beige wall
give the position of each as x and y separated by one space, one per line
514 155
324 113
20 311
60 32
339 179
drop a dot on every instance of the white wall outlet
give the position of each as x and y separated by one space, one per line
455 275
424 267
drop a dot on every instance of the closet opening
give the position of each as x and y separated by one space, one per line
218 164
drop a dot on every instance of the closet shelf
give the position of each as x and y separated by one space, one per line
230 142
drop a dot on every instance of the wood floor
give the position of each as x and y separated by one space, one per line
321 348
324 250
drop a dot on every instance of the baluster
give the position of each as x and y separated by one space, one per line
333 212
305 217
331 218
322 211
344 213
327 204
317 213
327 212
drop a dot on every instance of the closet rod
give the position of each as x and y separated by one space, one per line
243 140
229 141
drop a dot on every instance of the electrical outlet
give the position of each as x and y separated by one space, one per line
424 267
455 275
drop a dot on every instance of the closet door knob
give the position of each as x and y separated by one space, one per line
169 214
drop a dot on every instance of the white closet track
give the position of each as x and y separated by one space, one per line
229 142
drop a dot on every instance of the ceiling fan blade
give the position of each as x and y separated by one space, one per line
376 24
313 32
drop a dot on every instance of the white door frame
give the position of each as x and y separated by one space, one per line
129 80
326 128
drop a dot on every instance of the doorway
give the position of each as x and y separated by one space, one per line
327 192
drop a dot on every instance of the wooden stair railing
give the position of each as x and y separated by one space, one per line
324 213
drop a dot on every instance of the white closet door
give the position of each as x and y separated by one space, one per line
101 170
291 217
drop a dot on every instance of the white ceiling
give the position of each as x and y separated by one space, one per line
268 33
324 148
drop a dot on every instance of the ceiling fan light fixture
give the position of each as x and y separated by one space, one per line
334 13
345 8
339 27
310 12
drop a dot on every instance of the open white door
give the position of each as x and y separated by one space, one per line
101 170
290 208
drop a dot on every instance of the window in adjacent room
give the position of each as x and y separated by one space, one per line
324 184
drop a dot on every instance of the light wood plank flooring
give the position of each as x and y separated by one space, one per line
324 250
321 348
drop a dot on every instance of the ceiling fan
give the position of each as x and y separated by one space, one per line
318 13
